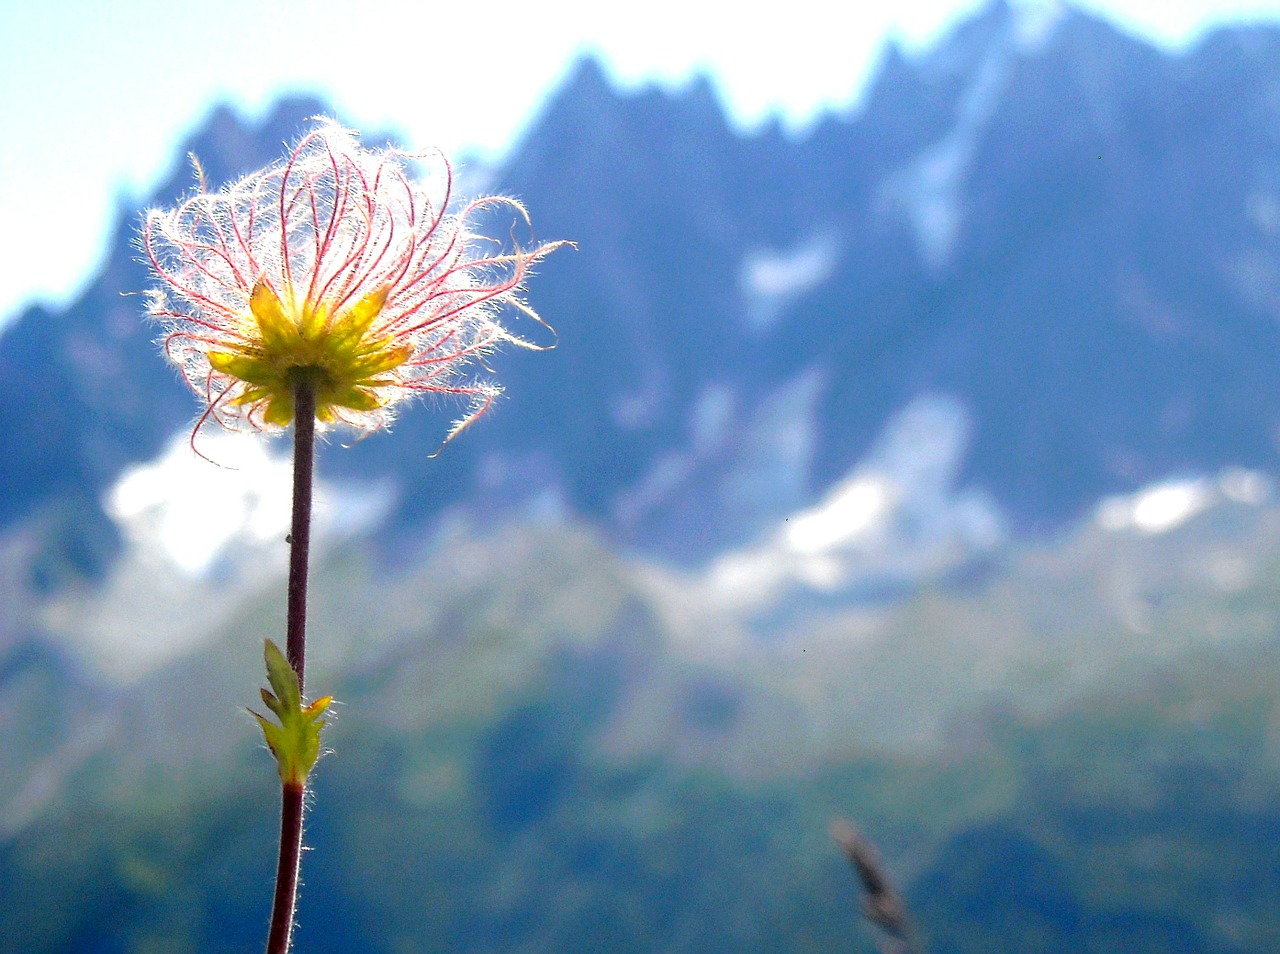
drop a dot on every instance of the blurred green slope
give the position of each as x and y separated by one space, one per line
545 747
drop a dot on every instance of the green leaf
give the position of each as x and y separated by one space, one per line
295 742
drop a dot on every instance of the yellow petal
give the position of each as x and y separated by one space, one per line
277 330
351 327
380 361
311 326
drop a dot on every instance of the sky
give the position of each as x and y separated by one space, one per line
96 97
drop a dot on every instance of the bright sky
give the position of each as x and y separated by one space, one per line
95 96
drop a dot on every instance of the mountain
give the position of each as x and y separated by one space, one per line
1014 221
544 746
83 393
833 498
1045 246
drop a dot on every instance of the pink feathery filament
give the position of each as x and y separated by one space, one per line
331 226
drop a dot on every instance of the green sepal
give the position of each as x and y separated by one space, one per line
358 399
279 409
248 369
295 742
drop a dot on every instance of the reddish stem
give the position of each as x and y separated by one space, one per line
286 897
304 453
292 796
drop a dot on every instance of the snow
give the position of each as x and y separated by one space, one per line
712 417
852 510
1169 504
929 189
193 513
770 469
771 279
1163 508
1034 23
200 539
753 463
1262 208
189 511
896 516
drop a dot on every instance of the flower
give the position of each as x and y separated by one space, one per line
334 269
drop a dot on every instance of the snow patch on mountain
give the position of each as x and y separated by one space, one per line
200 536
771 279
211 517
898 516
749 464
1034 23
1168 504
769 472
929 190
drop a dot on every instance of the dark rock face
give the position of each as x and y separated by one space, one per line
1072 236
1055 229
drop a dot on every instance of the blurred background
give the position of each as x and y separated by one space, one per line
908 453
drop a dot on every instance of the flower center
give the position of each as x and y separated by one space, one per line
310 347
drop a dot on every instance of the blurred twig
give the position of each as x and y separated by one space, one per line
883 906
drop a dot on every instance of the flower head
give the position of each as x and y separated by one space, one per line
335 269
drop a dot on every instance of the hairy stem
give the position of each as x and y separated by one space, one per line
286 897
304 455
291 795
